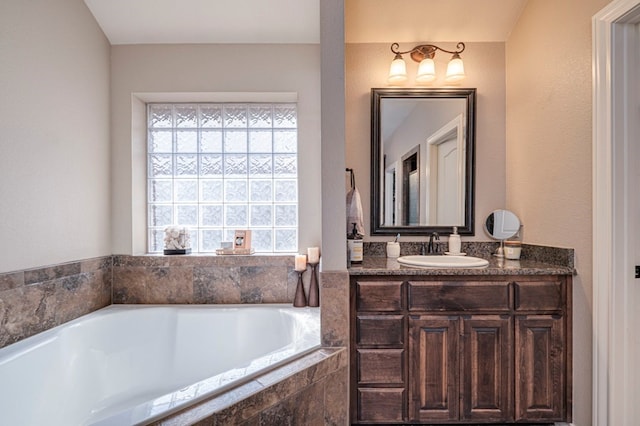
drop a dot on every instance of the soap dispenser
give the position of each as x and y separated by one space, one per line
454 242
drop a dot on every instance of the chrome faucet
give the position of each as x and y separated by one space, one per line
432 247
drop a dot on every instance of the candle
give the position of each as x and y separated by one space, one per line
301 262
314 254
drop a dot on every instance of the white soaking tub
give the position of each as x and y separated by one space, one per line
133 364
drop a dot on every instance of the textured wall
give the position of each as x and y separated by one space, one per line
54 127
549 150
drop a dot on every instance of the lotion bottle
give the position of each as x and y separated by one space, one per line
454 242
354 244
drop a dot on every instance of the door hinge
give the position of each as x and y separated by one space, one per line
637 271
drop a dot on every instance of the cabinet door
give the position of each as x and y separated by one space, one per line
540 368
434 368
487 365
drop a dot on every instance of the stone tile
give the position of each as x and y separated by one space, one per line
334 279
11 280
246 408
303 408
146 260
209 286
240 284
79 295
336 398
129 284
32 276
334 303
25 311
169 285
95 264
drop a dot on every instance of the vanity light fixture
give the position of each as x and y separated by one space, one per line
424 54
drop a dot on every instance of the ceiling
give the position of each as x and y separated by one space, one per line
297 21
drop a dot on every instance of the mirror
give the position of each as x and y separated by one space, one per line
502 224
422 161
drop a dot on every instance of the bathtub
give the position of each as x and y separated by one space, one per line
134 364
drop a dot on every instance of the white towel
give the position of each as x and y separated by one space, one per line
354 212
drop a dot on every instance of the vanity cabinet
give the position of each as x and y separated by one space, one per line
433 349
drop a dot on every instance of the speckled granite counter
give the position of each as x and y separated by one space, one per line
535 260
384 266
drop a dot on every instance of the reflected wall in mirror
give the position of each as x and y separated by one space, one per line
423 161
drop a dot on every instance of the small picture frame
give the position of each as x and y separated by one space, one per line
242 239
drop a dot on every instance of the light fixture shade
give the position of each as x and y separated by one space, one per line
455 69
397 71
426 71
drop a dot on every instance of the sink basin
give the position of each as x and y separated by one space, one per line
444 261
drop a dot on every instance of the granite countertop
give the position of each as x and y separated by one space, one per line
388 266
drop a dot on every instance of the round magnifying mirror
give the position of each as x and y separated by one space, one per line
502 224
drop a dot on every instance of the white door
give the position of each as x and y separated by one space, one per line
616 239
632 296
447 183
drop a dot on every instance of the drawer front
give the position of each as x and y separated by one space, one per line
380 367
380 330
381 404
383 296
459 296
538 296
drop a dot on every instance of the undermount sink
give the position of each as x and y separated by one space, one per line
444 261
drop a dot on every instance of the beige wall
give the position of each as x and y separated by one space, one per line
548 167
367 66
140 70
54 134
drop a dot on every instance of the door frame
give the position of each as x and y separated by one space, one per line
615 39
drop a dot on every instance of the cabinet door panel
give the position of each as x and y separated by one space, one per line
434 364
540 376
381 404
487 368
381 366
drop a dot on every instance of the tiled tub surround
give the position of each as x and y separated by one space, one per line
35 300
204 279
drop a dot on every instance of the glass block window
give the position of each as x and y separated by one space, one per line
218 167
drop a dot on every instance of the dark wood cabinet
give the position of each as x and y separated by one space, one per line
540 373
442 350
434 361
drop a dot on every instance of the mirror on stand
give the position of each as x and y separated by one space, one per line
502 225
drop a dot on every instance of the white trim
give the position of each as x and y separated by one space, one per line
195 97
610 243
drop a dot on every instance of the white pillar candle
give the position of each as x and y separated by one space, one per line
314 254
301 262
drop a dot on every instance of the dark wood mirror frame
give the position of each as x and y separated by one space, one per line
377 95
